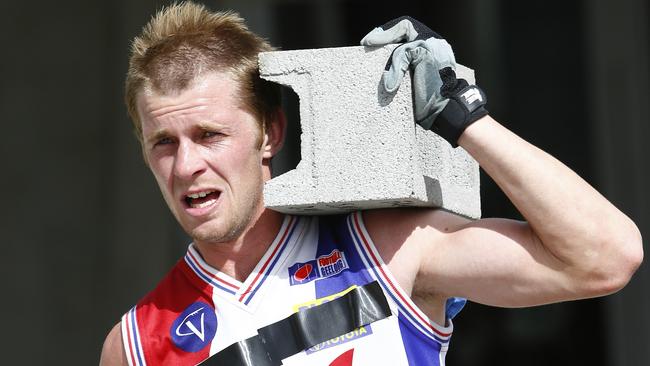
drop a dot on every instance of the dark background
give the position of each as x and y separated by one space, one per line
85 233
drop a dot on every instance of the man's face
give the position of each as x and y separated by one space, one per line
203 148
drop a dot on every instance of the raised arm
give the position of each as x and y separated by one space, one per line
574 243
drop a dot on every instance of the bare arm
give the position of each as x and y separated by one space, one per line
577 233
113 350
575 244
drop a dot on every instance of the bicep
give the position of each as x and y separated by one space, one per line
113 350
497 262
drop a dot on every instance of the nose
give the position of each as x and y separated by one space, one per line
189 161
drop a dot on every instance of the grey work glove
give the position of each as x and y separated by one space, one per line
442 103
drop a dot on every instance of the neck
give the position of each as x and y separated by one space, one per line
239 257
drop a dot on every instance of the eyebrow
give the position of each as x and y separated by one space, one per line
211 125
161 133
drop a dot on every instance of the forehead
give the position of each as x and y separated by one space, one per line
217 88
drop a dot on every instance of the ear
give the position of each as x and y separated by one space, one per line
274 134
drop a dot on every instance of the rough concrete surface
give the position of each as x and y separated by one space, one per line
360 147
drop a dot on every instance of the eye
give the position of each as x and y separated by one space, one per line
163 141
210 134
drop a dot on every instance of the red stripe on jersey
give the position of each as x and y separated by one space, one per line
127 325
387 279
210 274
271 257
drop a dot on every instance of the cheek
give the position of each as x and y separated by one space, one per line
245 152
243 169
161 170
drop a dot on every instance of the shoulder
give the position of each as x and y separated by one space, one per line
403 235
113 350
391 228
178 282
416 216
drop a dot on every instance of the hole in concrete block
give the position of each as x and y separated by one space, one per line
289 157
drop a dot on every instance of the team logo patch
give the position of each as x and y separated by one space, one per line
322 267
195 327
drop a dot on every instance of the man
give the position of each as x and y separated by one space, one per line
209 128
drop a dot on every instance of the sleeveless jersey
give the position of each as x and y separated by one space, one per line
197 311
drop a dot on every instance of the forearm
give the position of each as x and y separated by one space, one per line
571 219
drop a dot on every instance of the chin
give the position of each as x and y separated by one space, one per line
213 232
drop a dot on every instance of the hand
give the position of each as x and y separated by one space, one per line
442 103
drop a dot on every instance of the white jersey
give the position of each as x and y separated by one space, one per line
197 311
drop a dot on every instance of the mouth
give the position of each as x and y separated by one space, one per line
201 199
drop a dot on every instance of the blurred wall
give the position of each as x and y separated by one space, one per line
86 233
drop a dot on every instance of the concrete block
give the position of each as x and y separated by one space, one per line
360 147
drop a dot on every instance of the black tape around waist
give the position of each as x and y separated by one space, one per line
306 328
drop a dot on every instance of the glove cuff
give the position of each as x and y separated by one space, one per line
464 108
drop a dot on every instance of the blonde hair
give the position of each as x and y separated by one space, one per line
183 41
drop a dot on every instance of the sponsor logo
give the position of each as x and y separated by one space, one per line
355 334
332 264
322 267
194 328
472 95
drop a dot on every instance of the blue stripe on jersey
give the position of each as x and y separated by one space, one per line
415 345
136 338
402 309
206 278
283 245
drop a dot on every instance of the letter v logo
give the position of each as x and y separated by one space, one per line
188 322
195 327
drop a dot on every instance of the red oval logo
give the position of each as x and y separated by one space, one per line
303 272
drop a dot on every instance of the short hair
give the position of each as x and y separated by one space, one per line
185 40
